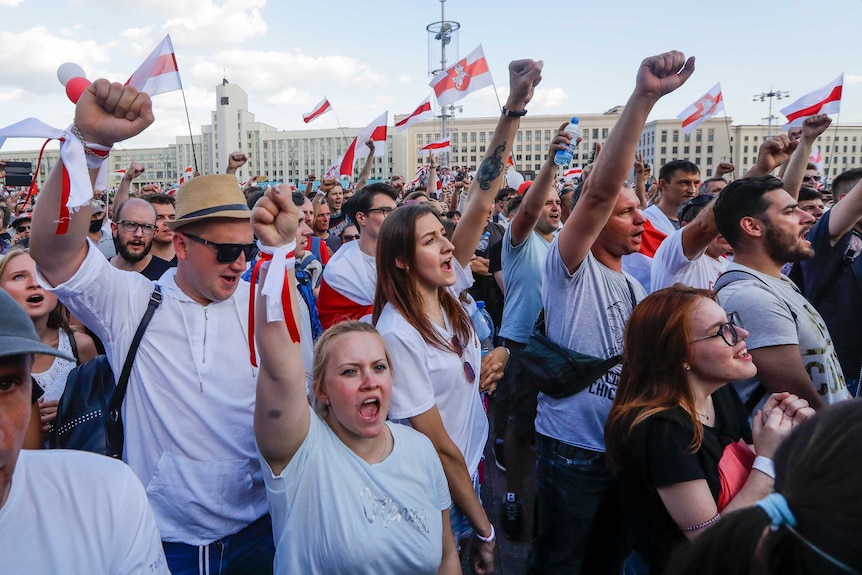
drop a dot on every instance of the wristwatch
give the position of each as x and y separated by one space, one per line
514 113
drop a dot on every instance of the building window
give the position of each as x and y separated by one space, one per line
664 136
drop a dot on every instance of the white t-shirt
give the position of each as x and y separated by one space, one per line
332 512
76 512
189 411
670 266
424 376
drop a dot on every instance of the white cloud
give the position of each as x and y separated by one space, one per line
853 79
10 3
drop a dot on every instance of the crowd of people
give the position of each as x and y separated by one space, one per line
313 393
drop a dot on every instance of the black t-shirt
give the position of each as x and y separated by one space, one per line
495 257
485 288
657 453
157 267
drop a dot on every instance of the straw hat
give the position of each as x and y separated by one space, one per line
205 197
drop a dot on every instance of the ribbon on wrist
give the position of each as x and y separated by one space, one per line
277 260
77 189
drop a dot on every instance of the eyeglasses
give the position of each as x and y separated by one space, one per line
131 227
727 331
22 229
810 178
349 237
469 372
228 253
385 210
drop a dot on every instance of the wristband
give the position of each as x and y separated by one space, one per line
489 538
514 113
276 290
764 465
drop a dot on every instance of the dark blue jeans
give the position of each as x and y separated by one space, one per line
247 552
577 525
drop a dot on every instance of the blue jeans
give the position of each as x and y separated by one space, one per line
247 552
577 525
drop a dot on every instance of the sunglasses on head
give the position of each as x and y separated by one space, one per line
469 372
228 253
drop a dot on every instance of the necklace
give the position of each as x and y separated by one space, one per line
708 404
385 444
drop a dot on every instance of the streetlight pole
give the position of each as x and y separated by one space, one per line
443 31
762 97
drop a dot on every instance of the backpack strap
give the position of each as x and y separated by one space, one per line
74 345
122 383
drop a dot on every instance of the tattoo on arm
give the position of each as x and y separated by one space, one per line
491 167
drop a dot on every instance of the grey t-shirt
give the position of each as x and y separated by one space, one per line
587 312
522 277
765 314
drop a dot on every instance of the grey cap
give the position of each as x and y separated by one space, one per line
17 333
97 205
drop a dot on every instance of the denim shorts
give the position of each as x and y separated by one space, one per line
461 528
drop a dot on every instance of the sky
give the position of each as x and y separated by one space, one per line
372 56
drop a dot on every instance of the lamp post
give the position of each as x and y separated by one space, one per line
762 97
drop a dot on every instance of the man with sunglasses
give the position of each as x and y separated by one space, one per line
350 276
188 414
134 232
811 177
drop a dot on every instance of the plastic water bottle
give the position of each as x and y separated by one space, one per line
484 327
564 157
483 242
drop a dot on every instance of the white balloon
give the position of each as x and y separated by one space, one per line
68 71
514 179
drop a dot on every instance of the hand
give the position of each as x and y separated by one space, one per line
327 184
437 206
236 160
150 189
134 170
813 126
275 218
796 408
370 143
774 152
493 365
483 556
639 165
724 168
794 133
662 74
107 113
47 413
311 177
524 75
771 425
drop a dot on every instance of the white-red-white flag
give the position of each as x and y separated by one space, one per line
419 114
825 100
320 109
332 171
187 175
703 109
816 158
159 72
469 74
375 131
572 174
437 147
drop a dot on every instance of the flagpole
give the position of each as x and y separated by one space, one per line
832 154
189 122
338 123
729 142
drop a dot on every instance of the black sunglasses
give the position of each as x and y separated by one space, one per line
228 253
811 178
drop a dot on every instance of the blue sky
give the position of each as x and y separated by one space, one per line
371 56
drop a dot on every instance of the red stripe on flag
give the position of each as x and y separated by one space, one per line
834 96
476 68
701 114
426 107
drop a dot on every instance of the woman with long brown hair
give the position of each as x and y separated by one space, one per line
677 434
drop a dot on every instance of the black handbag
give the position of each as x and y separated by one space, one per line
88 414
556 371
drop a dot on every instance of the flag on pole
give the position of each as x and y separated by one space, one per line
438 147
186 176
159 72
375 131
825 100
320 109
703 109
332 171
469 74
419 114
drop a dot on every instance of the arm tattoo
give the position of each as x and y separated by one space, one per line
491 167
